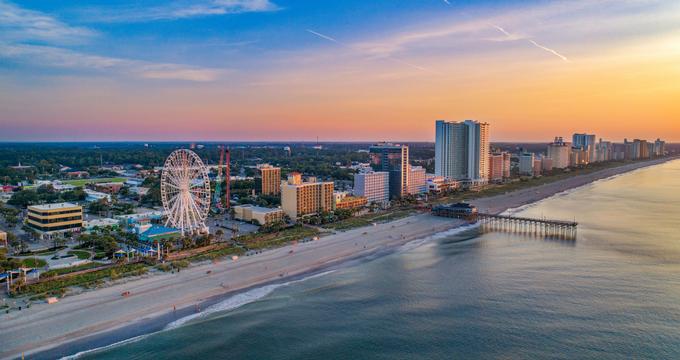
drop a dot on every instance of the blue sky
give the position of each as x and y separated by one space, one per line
304 68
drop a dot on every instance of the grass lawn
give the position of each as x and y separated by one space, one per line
33 263
58 286
82 182
217 253
71 269
82 255
368 219
49 251
258 241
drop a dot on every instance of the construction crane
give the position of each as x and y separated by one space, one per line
217 196
227 173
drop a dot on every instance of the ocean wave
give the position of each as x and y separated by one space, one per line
238 300
228 304
123 342
440 235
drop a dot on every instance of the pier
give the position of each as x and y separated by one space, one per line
507 223
540 227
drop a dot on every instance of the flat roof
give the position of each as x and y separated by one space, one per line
259 209
45 207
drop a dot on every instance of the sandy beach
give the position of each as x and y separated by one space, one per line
43 326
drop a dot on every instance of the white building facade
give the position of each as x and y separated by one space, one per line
374 185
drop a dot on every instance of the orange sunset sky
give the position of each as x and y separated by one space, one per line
277 70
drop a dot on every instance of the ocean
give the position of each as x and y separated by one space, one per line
612 293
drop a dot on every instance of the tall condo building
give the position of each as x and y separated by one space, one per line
462 150
373 185
559 151
392 158
526 164
659 147
603 151
585 142
417 180
499 166
268 180
300 198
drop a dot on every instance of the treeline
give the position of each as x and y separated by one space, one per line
45 194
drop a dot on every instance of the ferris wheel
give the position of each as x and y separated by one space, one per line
185 191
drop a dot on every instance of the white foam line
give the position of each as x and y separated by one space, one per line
126 341
440 235
228 304
238 300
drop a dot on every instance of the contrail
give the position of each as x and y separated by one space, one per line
549 50
447 2
534 43
326 37
323 36
502 30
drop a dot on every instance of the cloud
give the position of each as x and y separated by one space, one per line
35 38
18 24
63 58
176 10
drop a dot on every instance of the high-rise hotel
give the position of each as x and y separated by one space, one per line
268 180
392 158
300 198
462 151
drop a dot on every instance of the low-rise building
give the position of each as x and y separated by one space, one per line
351 202
96 196
261 215
140 218
108 187
437 183
51 219
3 238
158 233
89 225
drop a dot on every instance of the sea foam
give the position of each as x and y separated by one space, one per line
231 303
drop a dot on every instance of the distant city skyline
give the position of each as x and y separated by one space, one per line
264 70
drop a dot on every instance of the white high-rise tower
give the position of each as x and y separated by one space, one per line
462 150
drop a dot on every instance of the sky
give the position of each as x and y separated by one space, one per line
350 70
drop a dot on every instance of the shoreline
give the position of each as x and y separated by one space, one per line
102 317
